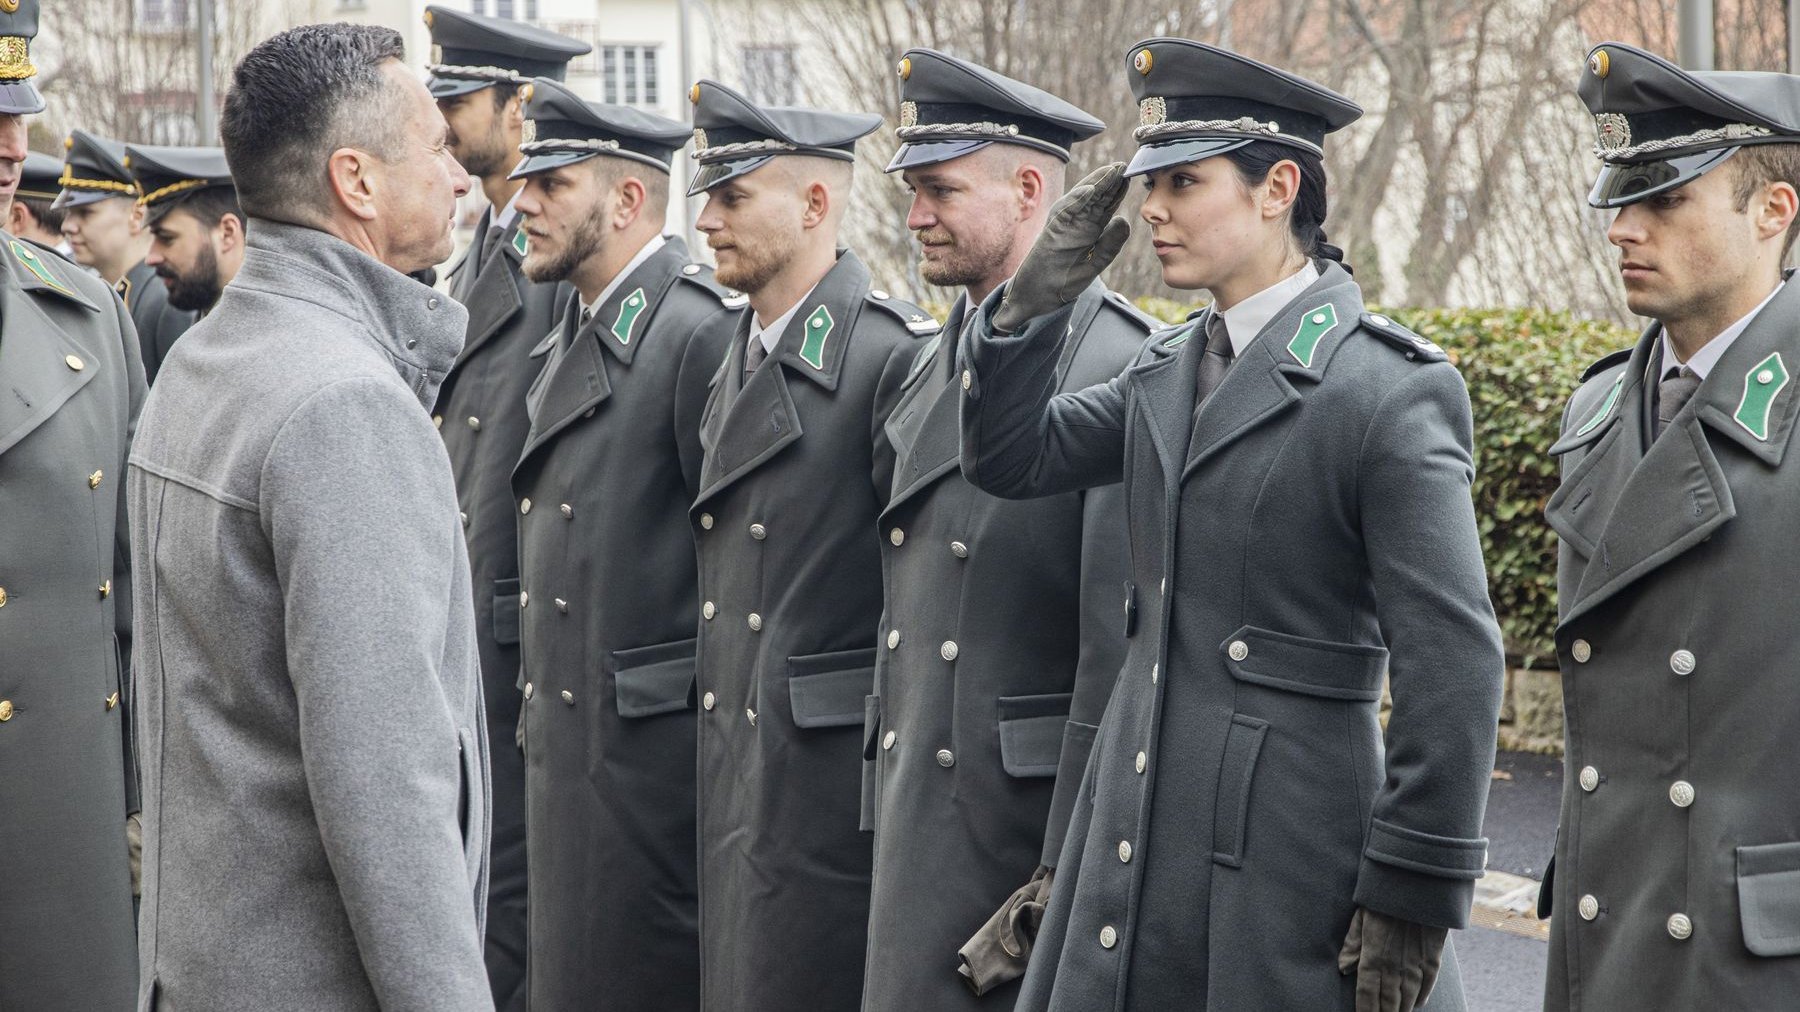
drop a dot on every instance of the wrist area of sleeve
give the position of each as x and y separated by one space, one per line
985 350
1420 876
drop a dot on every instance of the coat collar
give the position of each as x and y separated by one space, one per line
623 321
417 329
497 292
746 422
40 366
814 343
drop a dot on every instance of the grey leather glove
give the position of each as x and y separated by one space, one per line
1083 235
134 851
999 951
1395 961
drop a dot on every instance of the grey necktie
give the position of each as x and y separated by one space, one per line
1216 360
754 356
1675 390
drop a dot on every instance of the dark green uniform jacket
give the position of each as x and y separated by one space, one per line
797 469
1307 531
481 413
158 323
610 607
1676 883
1003 636
71 384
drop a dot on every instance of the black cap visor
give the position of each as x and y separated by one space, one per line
1622 183
708 176
1151 157
913 154
547 160
451 87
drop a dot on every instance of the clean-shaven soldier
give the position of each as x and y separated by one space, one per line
482 64
104 227
196 227
606 561
314 750
1004 626
1676 882
797 468
72 388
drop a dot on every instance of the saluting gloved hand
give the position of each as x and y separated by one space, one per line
1082 236
1395 961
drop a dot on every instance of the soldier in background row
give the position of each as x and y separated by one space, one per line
32 215
1003 626
196 227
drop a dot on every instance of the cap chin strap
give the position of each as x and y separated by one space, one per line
1730 133
495 74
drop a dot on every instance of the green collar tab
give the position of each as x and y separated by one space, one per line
1764 380
1606 406
818 328
1313 328
629 311
30 259
520 241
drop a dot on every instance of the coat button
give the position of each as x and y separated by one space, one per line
893 638
568 697
1680 927
562 606
706 521
755 622
887 740
465 519
1154 668
707 611
528 690
968 379
948 650
524 599
946 758
6 709
1590 778
1238 650
1682 662
758 531
111 702
897 537
709 701
878 295
525 505
1681 793
474 423
959 549
750 715
690 270
1588 908
106 590
1581 651
2 597
437 421
95 478
1124 851
74 362
1162 585
1143 761
1108 937
568 511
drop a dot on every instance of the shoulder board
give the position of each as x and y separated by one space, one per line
1169 340
1133 313
1412 345
1616 358
922 361
915 320
701 276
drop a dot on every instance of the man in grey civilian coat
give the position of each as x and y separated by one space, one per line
72 387
606 560
796 471
1004 625
315 775
1676 882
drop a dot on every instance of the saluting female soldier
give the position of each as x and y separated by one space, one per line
1297 480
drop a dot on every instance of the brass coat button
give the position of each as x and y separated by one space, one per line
1590 778
6 709
437 421
527 690
2 597
562 606
1681 793
94 479
1680 927
751 716
111 702
1124 851
106 590
474 423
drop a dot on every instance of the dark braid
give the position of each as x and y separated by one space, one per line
1307 216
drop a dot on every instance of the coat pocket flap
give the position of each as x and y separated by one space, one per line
1311 667
506 612
831 690
1031 733
1768 883
651 680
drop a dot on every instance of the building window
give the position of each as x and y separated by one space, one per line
769 74
526 10
628 75
164 15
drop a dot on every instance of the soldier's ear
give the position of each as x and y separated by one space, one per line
348 173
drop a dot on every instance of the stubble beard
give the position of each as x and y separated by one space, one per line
586 239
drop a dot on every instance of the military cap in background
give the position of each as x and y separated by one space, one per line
18 26
38 177
473 51
566 129
93 170
733 135
164 175
1661 127
1196 101
951 107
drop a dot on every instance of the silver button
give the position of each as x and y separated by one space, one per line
887 740
755 622
948 650
1581 651
1681 793
568 511
1680 927
1588 908
1375 318
1125 851
1162 585
968 379
1108 937
706 521
878 295
758 531
527 690
525 505
474 423
708 611
946 758
897 536
431 303
465 519
562 605
690 270
1153 670
1142 762
524 598
893 638
1238 650
1682 662
1590 778
959 549
568 697
709 701
750 715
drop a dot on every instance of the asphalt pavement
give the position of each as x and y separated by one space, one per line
1504 950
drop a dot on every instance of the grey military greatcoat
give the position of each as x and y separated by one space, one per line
70 388
1004 634
607 638
797 468
158 323
1677 875
481 413
1307 531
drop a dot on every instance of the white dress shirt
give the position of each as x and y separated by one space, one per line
612 286
1713 350
1247 319
770 336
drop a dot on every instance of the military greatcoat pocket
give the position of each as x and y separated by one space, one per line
652 680
1231 806
831 690
1768 882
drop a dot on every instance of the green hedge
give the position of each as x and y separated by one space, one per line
1520 365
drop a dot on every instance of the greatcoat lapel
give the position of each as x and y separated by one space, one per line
495 295
462 276
38 371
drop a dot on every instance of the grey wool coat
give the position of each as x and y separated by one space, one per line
158 323
610 466
1309 529
315 757
1676 882
796 470
1003 635
70 389
481 414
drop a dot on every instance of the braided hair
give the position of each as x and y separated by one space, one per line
1306 218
